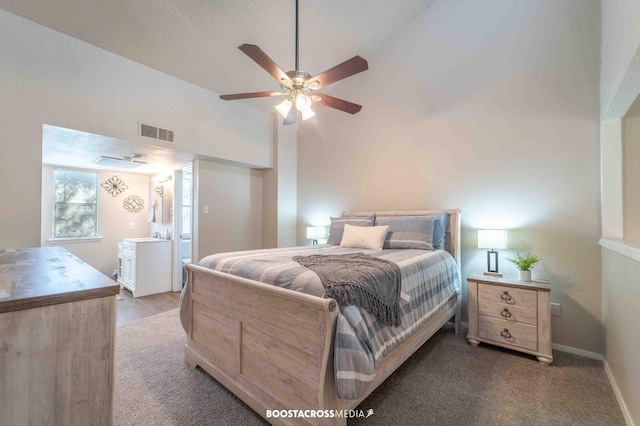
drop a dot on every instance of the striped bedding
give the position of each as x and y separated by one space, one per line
429 280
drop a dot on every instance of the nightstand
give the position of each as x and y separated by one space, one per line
510 313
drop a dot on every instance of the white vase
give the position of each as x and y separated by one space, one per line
524 275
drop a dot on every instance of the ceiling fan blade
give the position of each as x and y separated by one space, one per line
336 103
250 95
261 58
341 71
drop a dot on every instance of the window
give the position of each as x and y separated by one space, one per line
75 199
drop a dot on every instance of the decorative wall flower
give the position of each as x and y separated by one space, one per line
114 186
133 204
159 189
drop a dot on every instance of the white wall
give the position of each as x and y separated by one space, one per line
113 219
233 196
491 107
619 72
51 78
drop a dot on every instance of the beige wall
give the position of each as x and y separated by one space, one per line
631 167
279 189
621 295
113 219
51 78
487 106
234 197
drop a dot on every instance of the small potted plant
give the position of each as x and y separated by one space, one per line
524 265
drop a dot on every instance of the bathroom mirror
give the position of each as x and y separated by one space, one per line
158 192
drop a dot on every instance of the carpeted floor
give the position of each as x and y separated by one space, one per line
447 382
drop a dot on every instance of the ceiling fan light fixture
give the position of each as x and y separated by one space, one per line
303 102
284 107
298 85
307 113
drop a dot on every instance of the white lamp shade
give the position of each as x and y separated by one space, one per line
307 114
284 107
303 102
492 238
317 232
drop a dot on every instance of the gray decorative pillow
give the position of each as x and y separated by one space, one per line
440 230
337 226
409 232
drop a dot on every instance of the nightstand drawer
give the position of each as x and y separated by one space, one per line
510 313
507 296
508 333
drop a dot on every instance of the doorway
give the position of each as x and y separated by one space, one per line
183 223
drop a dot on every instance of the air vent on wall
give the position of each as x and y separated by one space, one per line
127 163
154 132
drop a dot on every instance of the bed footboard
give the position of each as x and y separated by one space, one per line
269 346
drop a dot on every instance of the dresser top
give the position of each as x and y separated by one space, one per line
34 277
510 282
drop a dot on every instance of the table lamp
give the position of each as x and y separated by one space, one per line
316 233
492 239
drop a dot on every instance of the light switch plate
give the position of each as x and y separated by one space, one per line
555 310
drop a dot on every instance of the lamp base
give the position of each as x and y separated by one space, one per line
493 274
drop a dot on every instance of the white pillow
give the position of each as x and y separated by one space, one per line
365 237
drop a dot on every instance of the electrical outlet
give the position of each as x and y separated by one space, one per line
205 209
555 309
132 225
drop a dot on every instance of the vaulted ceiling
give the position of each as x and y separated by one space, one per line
197 40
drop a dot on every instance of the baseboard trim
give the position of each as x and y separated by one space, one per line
576 351
616 391
562 348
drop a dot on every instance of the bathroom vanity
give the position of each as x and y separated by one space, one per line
145 265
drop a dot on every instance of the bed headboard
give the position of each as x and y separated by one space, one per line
452 234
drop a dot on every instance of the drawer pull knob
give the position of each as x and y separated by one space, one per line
505 296
505 333
505 313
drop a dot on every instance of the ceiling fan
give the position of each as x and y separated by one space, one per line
299 86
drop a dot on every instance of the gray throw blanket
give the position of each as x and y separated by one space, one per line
368 282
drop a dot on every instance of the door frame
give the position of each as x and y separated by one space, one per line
177 221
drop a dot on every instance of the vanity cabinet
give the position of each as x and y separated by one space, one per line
145 266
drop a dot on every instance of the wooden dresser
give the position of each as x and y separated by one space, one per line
57 339
510 313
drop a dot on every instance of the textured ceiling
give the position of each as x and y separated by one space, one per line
197 40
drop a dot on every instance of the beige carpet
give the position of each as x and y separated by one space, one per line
447 382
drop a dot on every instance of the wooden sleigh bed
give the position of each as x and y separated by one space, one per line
273 347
